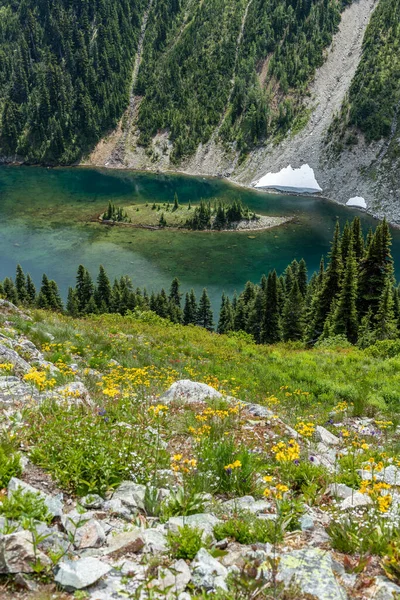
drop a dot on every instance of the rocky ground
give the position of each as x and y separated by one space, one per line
122 544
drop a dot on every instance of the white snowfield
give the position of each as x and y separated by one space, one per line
300 180
357 201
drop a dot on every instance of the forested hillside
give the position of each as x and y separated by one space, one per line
201 77
65 72
374 97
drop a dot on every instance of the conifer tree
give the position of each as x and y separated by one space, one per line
91 307
72 303
271 329
176 201
302 277
375 268
385 321
289 280
358 238
366 334
84 287
256 316
226 322
10 290
174 292
240 317
204 312
190 309
345 242
345 317
56 302
330 288
20 285
30 290
103 295
293 315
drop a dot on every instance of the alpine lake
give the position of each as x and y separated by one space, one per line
48 225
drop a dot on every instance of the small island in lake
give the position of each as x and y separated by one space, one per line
204 216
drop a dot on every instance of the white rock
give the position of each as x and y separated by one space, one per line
300 180
357 201
155 541
203 521
77 575
340 490
357 499
326 437
207 572
17 554
247 503
131 495
128 542
189 391
390 475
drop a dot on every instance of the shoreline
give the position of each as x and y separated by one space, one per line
84 165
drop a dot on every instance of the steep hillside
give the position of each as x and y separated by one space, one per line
65 69
143 459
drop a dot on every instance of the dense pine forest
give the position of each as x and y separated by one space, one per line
353 298
237 68
65 73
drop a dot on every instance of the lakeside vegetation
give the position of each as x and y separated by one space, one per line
206 216
353 300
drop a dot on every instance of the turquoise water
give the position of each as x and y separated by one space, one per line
45 226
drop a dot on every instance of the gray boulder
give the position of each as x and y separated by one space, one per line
247 503
131 495
189 391
390 475
77 575
155 541
92 501
326 437
17 553
208 573
355 500
340 490
384 589
53 504
14 391
311 570
203 521
121 544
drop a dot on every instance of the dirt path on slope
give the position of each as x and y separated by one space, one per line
328 90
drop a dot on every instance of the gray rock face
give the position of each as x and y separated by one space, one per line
117 509
74 393
54 504
357 499
90 535
311 570
13 391
7 355
326 437
203 521
77 575
385 589
189 391
129 542
207 572
17 553
131 495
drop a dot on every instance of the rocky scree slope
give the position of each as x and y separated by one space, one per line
111 544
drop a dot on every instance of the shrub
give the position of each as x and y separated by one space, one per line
183 502
249 529
372 534
186 543
23 505
10 466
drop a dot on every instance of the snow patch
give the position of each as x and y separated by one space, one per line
300 180
357 201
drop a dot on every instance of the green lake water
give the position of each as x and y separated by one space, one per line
45 226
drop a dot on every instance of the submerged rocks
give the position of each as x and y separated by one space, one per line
189 391
311 570
77 575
